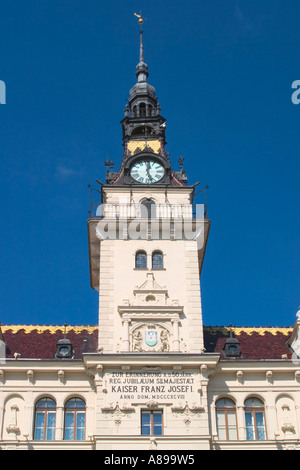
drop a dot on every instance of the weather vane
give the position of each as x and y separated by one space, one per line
141 18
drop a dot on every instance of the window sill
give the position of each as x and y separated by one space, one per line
149 269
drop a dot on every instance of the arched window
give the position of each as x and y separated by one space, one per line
44 425
75 420
148 209
142 109
226 420
157 260
143 130
255 420
141 260
150 110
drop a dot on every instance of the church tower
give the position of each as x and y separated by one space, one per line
147 241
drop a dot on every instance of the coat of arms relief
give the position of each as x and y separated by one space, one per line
150 337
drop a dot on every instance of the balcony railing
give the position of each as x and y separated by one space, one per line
156 211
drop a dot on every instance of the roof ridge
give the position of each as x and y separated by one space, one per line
51 328
261 330
245 327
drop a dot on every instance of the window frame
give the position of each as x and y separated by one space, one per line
142 109
149 206
141 252
225 410
253 410
75 411
46 412
157 252
152 412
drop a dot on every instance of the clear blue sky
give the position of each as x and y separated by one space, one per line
223 71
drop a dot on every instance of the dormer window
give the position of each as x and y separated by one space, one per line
64 348
232 347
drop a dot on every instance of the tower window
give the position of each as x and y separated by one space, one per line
157 260
141 260
142 109
143 130
75 420
45 414
148 209
152 423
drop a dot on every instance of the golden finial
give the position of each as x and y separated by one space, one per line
141 19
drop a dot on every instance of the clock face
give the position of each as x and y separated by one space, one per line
147 171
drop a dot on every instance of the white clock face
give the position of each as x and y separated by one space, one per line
147 171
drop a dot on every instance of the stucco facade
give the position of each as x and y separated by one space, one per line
117 386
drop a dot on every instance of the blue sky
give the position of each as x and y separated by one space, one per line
223 71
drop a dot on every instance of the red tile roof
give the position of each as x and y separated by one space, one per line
255 343
39 342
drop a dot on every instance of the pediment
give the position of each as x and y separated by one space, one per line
150 293
150 285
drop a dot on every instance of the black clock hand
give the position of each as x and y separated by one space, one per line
148 174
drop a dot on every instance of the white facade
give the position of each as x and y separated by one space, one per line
185 387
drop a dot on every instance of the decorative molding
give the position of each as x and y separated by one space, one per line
13 427
269 376
187 412
194 408
117 408
30 376
240 376
118 412
152 404
288 428
61 376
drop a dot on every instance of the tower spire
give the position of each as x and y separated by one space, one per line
142 68
141 46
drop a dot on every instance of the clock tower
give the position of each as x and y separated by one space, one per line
147 241
145 160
